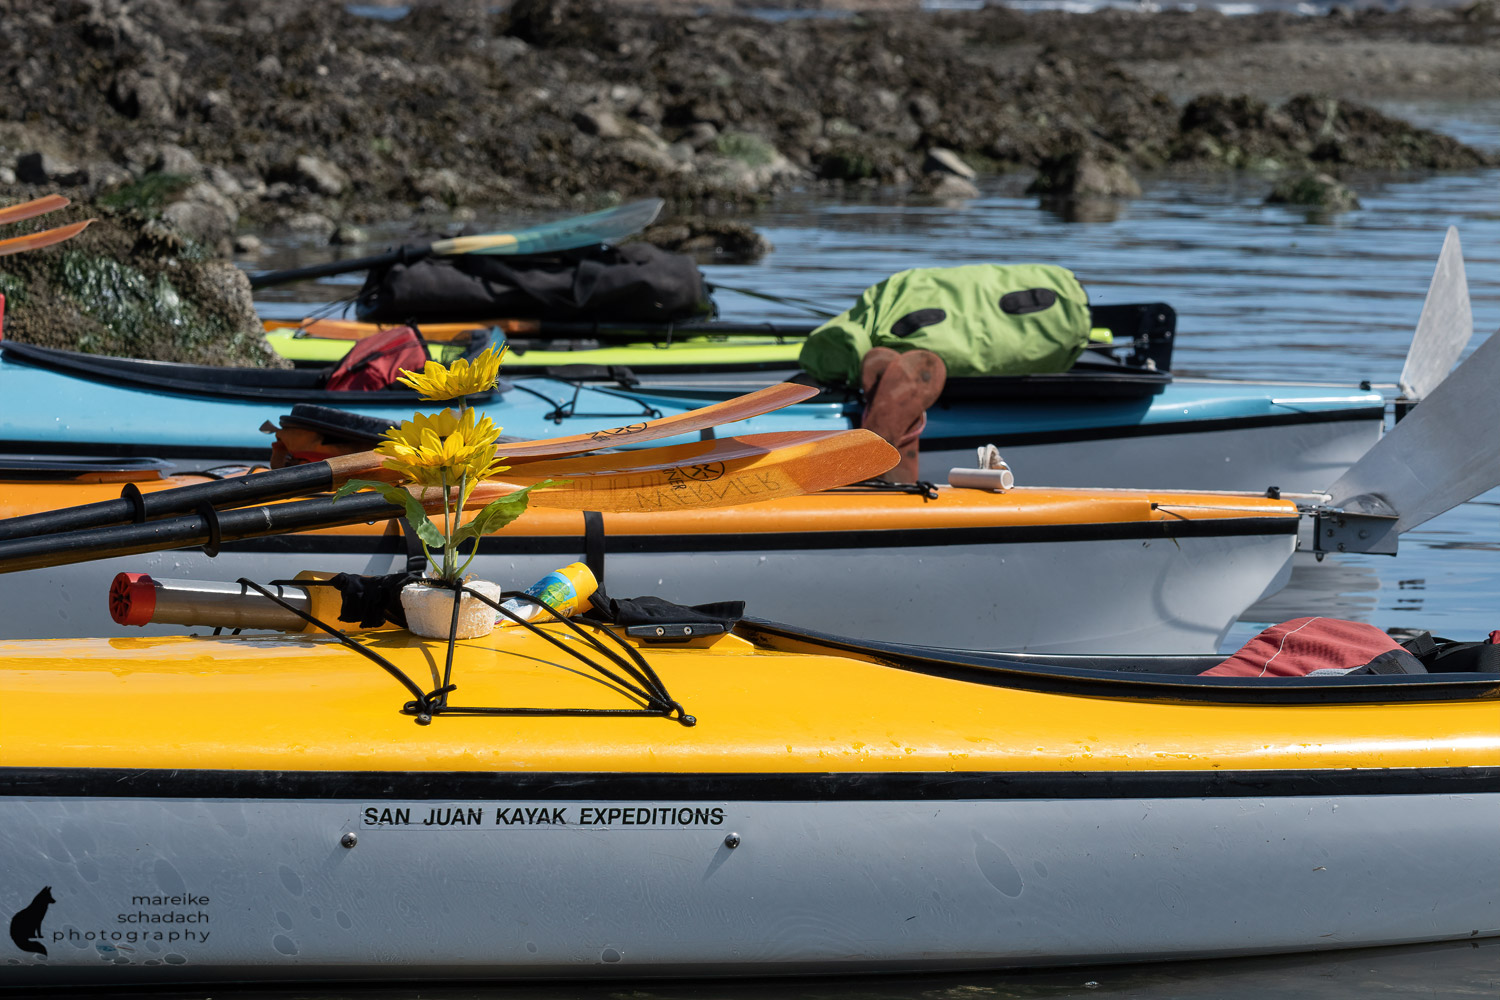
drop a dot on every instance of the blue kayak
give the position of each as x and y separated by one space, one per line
1058 430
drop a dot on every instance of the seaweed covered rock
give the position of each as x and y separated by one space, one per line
714 239
130 286
1092 172
1347 132
1316 190
1235 131
1241 131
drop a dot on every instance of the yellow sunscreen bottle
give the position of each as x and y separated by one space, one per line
567 589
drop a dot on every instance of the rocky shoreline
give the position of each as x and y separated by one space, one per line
219 117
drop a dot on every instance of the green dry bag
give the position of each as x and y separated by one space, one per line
982 319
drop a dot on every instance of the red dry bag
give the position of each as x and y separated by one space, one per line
375 362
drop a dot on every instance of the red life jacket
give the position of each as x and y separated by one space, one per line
375 362
1303 645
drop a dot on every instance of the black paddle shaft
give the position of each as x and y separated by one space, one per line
408 254
135 506
208 528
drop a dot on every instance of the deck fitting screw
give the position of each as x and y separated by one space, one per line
424 719
349 839
660 630
732 841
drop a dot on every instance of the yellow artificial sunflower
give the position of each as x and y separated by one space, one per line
452 449
439 382
442 423
442 447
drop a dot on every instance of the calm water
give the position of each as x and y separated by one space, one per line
1260 292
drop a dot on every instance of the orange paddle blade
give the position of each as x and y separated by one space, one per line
31 209
368 465
348 329
45 238
705 474
752 404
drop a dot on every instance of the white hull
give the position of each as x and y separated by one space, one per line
1141 595
1295 457
814 886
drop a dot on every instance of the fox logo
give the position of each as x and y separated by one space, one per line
26 925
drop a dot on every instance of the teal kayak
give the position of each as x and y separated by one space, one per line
1053 430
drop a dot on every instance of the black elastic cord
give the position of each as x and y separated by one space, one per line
922 487
641 683
644 685
322 312
811 308
364 651
458 590
563 411
639 670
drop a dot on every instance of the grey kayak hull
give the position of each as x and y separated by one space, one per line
1058 592
1296 457
162 890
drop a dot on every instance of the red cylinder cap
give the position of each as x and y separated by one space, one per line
132 599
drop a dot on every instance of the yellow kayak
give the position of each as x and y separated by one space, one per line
770 801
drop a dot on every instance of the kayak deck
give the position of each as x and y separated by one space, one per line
848 510
306 703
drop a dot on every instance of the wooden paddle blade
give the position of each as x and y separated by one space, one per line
262 487
727 472
368 465
31 209
45 238
752 404
720 473
609 226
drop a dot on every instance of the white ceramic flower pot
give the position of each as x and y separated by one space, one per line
429 610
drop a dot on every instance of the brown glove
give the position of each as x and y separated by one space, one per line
898 389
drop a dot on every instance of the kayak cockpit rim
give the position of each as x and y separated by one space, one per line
44 468
1127 677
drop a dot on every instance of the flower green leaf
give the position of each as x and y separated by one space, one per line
426 530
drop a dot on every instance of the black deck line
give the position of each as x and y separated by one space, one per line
876 786
747 541
1126 678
